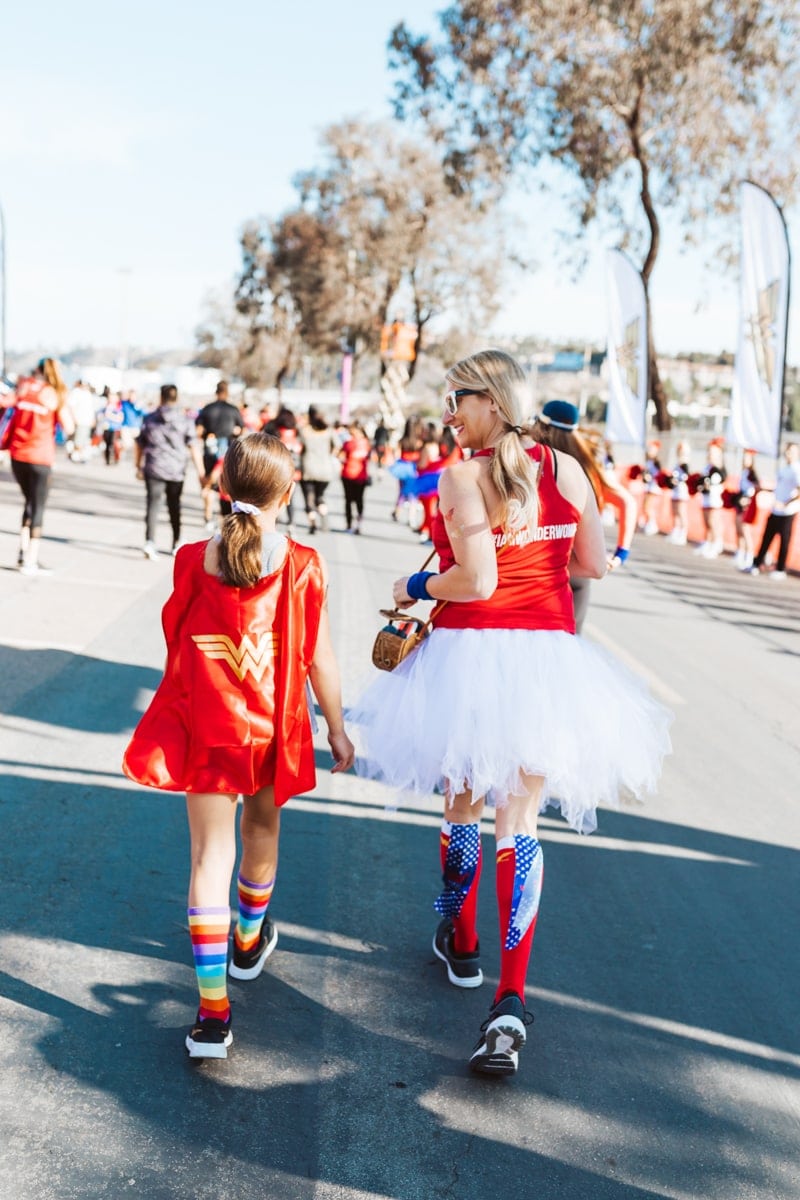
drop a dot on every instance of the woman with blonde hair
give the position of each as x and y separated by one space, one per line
40 404
246 627
502 704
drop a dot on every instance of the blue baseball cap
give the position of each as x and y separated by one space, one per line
561 414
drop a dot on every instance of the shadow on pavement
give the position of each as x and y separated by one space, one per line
74 691
349 1060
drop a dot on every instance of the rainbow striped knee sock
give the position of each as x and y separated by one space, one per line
254 900
208 929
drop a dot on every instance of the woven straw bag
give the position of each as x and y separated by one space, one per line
402 634
397 639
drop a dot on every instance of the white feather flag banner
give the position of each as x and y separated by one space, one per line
627 351
757 398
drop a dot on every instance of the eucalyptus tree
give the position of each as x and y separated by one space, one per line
230 341
377 234
648 106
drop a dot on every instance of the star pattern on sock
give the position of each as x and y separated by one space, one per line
461 864
527 888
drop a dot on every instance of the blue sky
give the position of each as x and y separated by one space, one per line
136 140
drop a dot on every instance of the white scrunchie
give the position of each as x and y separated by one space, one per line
241 506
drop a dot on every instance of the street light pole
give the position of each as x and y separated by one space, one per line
124 276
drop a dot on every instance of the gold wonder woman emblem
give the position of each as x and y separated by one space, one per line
762 331
242 658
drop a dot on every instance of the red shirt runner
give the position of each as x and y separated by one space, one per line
31 438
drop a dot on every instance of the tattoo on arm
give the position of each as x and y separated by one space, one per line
456 527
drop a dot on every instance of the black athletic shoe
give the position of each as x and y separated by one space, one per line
502 1037
463 970
248 964
209 1039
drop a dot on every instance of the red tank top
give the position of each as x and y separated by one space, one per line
533 589
33 429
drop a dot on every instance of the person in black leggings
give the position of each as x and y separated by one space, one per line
164 447
40 404
355 455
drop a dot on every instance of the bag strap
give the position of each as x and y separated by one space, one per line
437 608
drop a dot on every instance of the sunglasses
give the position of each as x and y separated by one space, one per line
452 398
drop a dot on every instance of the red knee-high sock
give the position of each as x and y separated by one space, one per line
461 859
519 887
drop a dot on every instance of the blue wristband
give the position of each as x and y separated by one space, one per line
417 585
621 554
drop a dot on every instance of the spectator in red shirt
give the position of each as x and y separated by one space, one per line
40 403
355 455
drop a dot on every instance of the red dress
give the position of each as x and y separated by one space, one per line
230 714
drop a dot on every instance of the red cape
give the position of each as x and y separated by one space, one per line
230 714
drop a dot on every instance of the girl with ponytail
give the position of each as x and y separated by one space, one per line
246 629
503 704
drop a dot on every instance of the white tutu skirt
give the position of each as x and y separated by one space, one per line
477 708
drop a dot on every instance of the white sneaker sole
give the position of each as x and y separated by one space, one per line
209 1049
254 971
473 982
498 1054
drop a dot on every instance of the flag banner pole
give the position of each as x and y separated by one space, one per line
626 419
347 379
758 380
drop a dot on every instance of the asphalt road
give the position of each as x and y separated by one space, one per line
665 1056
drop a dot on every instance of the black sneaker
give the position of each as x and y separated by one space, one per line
248 964
209 1039
502 1037
463 970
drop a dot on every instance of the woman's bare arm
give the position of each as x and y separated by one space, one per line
474 573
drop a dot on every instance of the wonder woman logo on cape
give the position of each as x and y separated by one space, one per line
245 657
230 714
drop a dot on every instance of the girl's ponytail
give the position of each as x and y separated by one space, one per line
52 376
240 550
257 473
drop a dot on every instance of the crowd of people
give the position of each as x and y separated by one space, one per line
163 445
739 492
513 508
165 441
